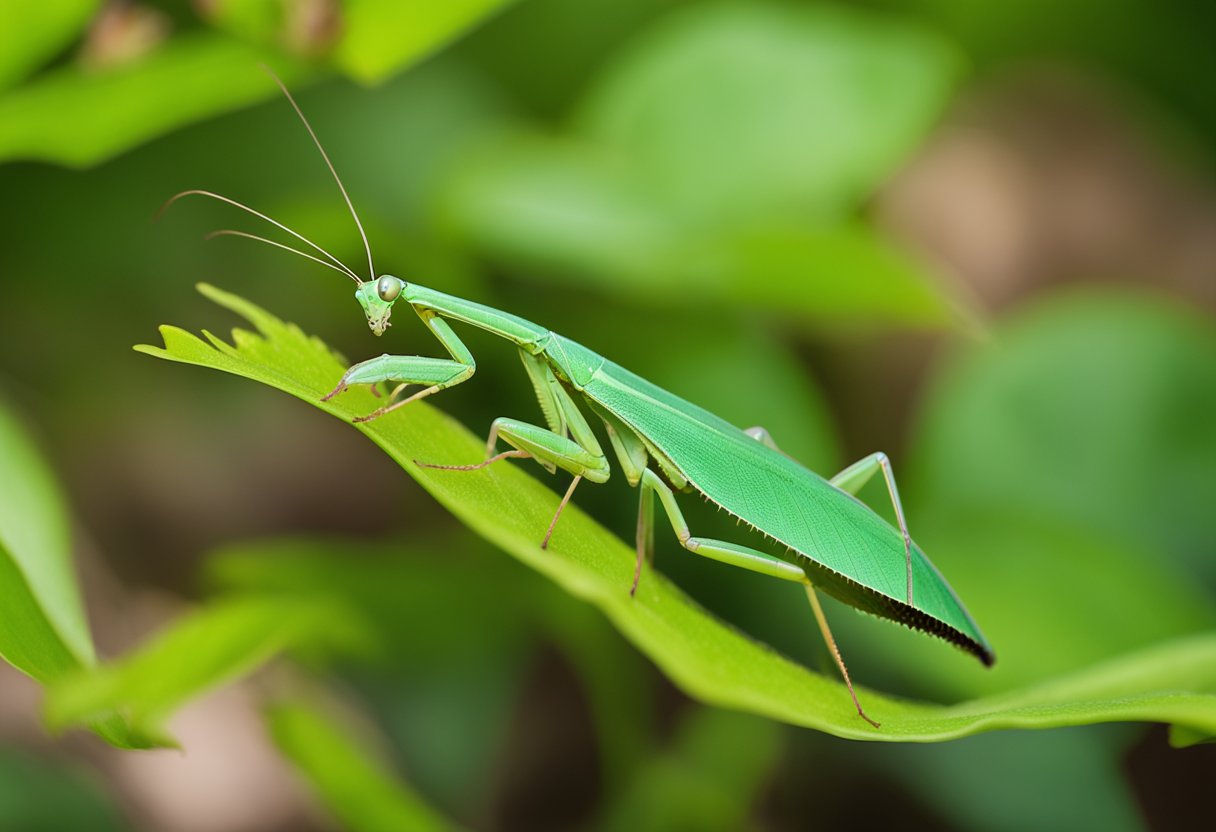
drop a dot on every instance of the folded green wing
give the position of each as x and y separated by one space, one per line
848 550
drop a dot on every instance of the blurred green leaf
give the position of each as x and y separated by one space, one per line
708 780
834 275
382 36
1086 409
79 117
40 795
44 629
1075 775
205 649
361 792
559 205
444 690
462 677
655 196
823 102
562 210
395 589
33 30
708 659
265 22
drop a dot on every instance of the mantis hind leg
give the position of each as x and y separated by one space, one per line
735 555
822 620
721 550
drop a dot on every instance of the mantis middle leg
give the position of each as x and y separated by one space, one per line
568 443
732 553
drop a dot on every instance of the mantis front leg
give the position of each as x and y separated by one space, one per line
405 370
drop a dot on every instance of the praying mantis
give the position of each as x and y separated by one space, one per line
825 537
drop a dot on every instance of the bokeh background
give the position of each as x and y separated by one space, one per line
980 237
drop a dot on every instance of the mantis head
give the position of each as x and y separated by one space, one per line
376 295
377 300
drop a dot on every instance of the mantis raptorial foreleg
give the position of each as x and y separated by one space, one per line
548 392
434 374
854 478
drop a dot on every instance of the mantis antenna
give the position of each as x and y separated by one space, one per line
344 269
371 268
228 232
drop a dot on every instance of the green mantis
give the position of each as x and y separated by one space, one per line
824 537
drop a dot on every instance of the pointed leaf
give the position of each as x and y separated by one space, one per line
216 645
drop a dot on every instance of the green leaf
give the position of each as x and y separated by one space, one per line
33 30
44 632
708 659
1085 409
559 205
79 117
836 275
382 36
39 794
823 102
657 196
395 589
463 677
568 211
201 651
362 792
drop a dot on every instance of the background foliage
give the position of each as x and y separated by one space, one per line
975 236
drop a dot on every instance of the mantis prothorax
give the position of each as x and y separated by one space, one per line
664 445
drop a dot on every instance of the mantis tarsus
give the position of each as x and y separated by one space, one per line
663 445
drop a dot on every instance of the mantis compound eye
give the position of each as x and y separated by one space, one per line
389 288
